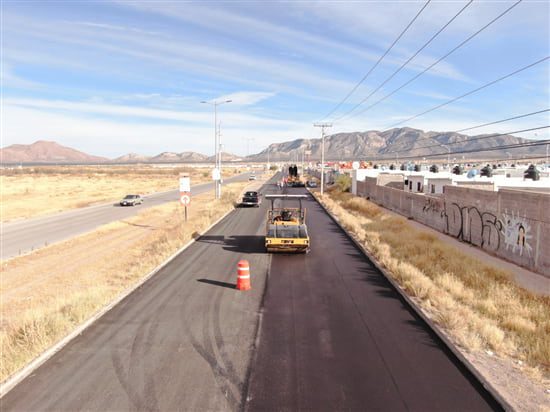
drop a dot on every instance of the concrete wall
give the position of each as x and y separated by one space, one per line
510 224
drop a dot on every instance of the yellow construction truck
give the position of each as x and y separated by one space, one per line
286 229
294 179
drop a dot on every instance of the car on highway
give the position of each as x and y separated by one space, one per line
252 177
131 200
251 198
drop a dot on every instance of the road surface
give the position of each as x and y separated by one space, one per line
333 336
30 234
336 336
182 341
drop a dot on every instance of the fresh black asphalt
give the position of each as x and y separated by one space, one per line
331 334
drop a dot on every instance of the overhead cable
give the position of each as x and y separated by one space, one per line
379 60
461 130
407 62
439 60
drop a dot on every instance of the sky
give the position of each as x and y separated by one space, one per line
114 77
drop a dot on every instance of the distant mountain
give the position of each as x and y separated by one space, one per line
226 157
45 152
131 158
395 143
169 157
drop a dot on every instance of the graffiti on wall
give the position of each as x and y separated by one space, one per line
431 206
470 225
517 233
486 230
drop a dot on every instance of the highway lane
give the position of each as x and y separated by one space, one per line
30 234
336 336
182 341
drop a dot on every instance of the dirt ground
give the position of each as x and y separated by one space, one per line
36 191
49 292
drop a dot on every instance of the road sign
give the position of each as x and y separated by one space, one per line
355 165
185 183
185 198
216 174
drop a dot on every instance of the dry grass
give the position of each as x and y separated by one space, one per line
47 294
477 304
31 192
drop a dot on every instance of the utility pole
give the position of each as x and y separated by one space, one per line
248 140
217 185
303 152
323 126
219 157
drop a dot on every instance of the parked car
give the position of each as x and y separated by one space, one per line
131 200
251 199
311 183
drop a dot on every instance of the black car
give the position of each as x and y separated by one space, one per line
131 200
251 199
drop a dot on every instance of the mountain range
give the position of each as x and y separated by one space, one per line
44 151
398 144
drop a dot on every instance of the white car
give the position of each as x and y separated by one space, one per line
131 200
252 177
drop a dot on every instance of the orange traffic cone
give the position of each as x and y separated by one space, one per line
243 275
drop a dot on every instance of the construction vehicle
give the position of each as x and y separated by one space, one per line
286 229
294 179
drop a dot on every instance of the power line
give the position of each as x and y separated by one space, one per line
472 91
440 59
461 130
503 120
480 138
379 60
408 61
488 149
503 147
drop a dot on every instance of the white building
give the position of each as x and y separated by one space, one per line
434 183
414 182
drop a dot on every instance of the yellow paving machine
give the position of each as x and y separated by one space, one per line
286 229
294 179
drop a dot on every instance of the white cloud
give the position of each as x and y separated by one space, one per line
116 28
144 130
11 79
231 117
245 98
196 56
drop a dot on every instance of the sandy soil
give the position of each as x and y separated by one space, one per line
47 293
33 192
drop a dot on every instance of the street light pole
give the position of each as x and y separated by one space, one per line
217 163
323 126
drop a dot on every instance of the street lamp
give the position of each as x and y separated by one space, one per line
217 161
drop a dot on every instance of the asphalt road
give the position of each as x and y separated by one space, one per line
330 333
182 341
336 336
30 234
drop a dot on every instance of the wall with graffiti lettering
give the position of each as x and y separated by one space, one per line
510 224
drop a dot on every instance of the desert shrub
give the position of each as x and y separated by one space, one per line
344 183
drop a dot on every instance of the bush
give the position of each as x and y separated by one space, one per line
344 183
273 167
